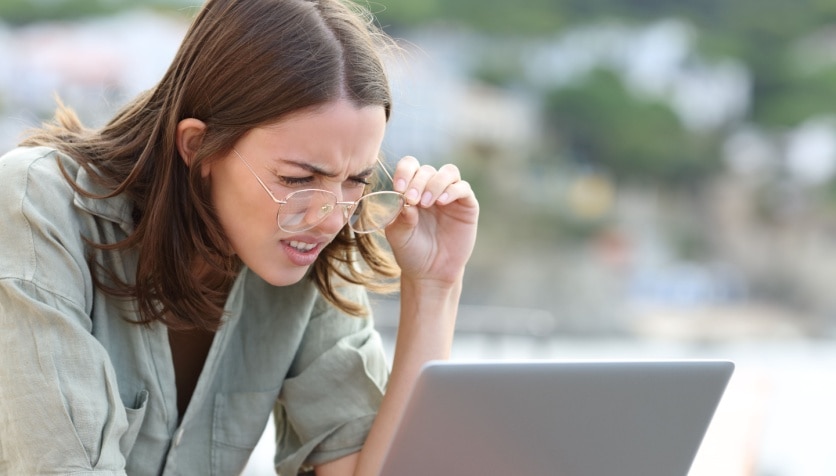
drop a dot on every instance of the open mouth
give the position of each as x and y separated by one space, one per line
301 246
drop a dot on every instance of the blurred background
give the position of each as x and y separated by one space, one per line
657 179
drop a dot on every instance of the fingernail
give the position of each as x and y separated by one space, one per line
400 185
426 198
444 197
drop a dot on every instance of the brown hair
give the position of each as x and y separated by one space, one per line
242 64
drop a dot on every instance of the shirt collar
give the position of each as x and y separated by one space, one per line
117 209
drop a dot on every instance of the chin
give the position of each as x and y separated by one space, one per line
283 277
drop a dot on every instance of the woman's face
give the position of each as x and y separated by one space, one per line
332 147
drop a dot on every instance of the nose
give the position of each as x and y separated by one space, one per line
334 221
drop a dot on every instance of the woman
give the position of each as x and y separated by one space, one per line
202 260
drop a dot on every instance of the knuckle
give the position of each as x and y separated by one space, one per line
426 168
409 161
451 170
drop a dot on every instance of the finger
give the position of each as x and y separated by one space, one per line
416 188
447 175
460 190
405 170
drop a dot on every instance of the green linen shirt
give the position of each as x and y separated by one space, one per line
84 391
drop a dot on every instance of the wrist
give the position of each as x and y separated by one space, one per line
436 292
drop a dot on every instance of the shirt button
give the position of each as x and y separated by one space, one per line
178 437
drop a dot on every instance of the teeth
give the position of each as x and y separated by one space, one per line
302 246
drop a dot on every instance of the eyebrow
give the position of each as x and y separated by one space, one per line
320 171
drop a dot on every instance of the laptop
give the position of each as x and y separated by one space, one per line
556 418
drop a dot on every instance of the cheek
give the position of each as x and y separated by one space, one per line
241 214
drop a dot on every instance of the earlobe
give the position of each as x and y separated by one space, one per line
189 137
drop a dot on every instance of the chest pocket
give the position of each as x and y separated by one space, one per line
135 416
238 423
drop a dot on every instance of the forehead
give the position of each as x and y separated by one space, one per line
335 138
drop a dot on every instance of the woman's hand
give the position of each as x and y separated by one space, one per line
434 236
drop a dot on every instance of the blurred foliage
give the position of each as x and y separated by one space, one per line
598 123
737 21
790 95
491 16
27 11
762 34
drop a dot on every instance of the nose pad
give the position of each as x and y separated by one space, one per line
325 210
315 210
335 220
347 209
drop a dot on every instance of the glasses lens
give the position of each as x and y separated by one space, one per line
305 209
376 211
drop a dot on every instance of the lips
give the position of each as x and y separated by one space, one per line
302 253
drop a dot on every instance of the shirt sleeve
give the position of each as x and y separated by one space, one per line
60 411
331 396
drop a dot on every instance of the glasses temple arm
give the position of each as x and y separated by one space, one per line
382 166
263 185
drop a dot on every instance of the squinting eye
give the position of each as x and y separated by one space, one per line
296 180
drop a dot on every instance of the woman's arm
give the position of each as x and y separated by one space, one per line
432 241
60 409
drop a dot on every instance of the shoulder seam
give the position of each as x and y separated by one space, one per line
38 286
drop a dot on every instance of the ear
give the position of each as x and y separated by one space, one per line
189 137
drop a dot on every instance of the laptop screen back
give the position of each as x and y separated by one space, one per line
557 418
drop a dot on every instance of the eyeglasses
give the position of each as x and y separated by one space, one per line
304 209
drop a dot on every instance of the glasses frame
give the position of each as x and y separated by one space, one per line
347 207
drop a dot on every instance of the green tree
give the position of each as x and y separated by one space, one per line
599 123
